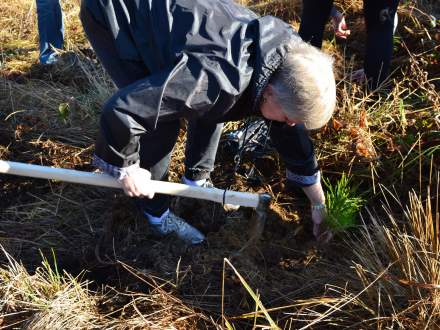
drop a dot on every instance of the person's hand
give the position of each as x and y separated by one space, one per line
318 217
136 182
319 213
340 27
316 196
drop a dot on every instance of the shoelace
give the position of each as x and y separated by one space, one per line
173 223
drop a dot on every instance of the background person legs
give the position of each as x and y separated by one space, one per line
379 21
314 16
50 29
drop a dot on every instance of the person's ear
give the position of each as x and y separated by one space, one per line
269 90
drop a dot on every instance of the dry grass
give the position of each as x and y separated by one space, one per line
391 276
49 299
45 298
388 276
385 274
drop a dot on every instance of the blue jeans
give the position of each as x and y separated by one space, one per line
50 29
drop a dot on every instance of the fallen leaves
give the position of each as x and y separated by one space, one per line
337 125
359 134
363 122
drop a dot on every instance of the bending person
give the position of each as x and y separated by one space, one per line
208 62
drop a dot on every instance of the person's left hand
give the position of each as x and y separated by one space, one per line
316 196
318 216
321 233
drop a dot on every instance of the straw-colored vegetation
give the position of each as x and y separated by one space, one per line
74 257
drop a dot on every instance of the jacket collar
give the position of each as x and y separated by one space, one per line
262 79
271 47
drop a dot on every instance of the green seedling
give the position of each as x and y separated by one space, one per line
64 112
342 203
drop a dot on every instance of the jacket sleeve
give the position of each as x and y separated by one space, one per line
194 87
297 151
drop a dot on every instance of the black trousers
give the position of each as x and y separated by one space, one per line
379 21
156 147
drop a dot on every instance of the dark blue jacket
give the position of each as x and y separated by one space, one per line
206 59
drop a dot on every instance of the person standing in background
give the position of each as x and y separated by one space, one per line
50 29
380 20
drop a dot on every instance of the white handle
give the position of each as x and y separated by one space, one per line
104 180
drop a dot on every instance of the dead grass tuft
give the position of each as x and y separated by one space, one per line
46 299
49 299
390 278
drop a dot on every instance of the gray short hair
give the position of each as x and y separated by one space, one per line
305 85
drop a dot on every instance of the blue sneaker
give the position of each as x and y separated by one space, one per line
171 223
49 59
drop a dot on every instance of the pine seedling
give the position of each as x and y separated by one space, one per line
342 204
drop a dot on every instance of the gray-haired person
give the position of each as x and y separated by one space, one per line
208 62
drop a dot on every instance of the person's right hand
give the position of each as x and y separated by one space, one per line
340 27
136 182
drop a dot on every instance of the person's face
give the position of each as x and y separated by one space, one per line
270 108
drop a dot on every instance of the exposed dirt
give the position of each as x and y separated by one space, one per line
96 230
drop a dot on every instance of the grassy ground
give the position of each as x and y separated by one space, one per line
80 257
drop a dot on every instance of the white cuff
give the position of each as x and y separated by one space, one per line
303 180
125 171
